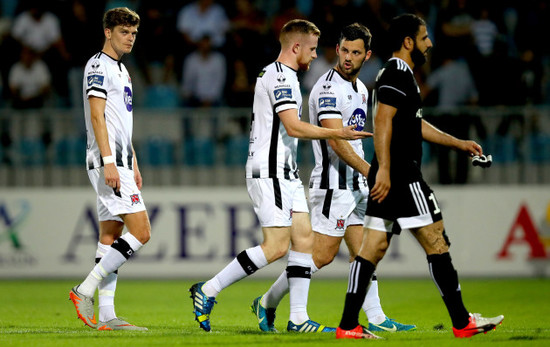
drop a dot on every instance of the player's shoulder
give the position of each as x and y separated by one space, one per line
394 70
99 62
327 83
277 76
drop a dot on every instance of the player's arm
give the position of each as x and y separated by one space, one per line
343 148
97 111
383 129
297 128
434 135
137 173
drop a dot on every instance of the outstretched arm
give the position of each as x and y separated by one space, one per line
297 128
434 135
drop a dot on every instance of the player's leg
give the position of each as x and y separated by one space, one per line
371 306
378 321
109 231
325 249
373 248
273 206
299 267
124 206
433 239
275 245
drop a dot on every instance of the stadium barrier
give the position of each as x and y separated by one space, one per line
495 231
205 147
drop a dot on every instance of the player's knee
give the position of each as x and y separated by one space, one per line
144 235
273 251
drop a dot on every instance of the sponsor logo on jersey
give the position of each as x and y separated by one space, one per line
281 78
283 93
128 98
327 86
419 113
327 102
95 65
359 117
95 80
135 199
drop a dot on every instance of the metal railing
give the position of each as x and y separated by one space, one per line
208 147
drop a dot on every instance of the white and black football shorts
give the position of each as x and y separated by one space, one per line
110 204
333 210
276 199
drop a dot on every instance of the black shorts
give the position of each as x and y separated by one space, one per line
411 205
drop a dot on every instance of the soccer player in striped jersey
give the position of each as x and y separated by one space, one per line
272 180
112 169
338 190
399 197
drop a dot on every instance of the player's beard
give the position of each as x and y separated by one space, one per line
352 72
418 58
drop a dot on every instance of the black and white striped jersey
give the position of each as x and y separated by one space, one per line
107 78
335 97
272 152
397 87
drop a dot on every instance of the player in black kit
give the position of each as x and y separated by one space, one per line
399 197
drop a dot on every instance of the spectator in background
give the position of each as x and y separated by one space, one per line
484 32
240 92
455 88
204 74
200 18
29 81
248 27
40 30
155 57
75 26
332 14
455 24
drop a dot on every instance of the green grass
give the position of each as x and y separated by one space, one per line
38 313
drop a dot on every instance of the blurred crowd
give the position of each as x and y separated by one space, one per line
203 53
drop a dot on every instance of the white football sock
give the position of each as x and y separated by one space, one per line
299 287
372 306
235 270
106 289
110 262
279 289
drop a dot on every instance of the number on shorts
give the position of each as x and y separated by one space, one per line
436 209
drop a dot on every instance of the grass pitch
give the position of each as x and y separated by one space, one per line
38 313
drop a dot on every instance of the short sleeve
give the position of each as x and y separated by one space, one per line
282 91
325 101
96 79
391 88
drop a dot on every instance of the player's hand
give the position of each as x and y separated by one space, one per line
471 147
112 178
382 186
349 133
137 177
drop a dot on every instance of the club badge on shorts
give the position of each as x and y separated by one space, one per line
135 199
339 224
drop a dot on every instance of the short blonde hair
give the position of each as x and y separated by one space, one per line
297 26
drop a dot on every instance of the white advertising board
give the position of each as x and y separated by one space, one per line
496 231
